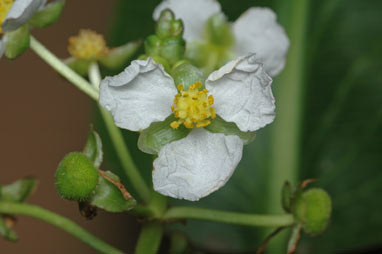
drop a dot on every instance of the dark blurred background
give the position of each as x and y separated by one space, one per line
340 141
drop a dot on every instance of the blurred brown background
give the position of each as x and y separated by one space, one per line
43 118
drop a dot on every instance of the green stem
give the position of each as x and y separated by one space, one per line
285 145
150 238
60 222
63 69
254 220
120 147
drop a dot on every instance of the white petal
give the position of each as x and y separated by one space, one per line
20 12
143 93
243 94
193 167
257 31
194 14
2 47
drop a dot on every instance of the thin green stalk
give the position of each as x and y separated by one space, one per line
285 145
60 222
150 238
63 69
254 220
121 149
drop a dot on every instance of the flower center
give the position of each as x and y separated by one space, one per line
5 5
88 45
193 107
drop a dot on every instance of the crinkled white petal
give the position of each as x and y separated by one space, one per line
2 47
243 94
20 12
194 14
193 167
140 95
257 31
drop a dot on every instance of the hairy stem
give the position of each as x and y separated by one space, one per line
60 222
254 220
120 147
150 238
63 69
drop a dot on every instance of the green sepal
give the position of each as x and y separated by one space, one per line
159 134
312 209
19 190
78 65
6 232
218 125
110 194
118 57
17 42
48 15
186 74
158 59
218 31
286 196
93 148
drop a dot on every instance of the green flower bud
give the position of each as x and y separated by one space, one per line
152 45
76 177
313 209
167 26
173 49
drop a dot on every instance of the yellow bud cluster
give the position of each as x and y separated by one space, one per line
193 107
5 5
88 45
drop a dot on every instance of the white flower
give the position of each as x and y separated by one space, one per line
14 14
202 162
255 31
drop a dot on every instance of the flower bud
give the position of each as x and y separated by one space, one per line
167 26
153 45
313 209
218 31
173 49
76 177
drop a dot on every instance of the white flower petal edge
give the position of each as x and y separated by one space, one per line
138 96
257 31
194 14
20 12
243 94
194 167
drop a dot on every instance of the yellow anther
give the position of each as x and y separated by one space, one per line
210 99
5 5
88 45
174 125
180 87
193 107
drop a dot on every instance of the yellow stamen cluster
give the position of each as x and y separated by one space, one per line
193 107
88 45
5 5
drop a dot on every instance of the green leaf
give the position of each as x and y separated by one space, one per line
48 15
218 125
78 65
93 148
110 194
19 190
6 232
17 42
159 134
118 57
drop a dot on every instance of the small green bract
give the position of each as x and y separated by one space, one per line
76 177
